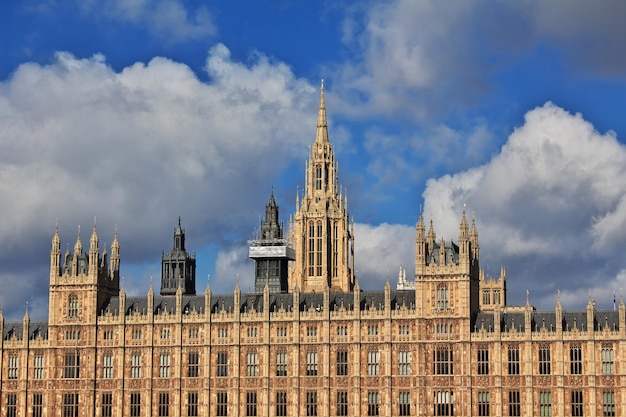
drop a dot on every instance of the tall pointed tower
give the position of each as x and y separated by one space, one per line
321 231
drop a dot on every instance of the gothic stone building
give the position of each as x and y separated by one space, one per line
309 341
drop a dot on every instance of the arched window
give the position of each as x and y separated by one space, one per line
318 177
72 306
442 297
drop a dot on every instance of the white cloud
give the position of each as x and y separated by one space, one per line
428 59
170 20
380 251
549 205
140 147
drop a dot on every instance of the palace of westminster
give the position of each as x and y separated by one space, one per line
308 341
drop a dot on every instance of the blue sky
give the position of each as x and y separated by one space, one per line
137 112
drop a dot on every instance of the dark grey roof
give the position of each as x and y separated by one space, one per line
571 320
35 329
337 300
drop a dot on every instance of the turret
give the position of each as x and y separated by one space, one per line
558 313
78 251
474 241
114 268
271 253
55 254
591 312
178 267
420 243
237 300
93 251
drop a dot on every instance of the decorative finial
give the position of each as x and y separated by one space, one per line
322 88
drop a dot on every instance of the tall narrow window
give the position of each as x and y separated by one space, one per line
335 249
72 306
342 403
311 249
37 404
483 403
608 404
442 297
164 365
281 363
70 405
443 361
319 249
135 365
575 360
577 403
373 359
342 362
515 405
11 405
544 360
222 363
251 404
311 403
107 366
486 297
444 403
71 366
193 364
164 404
135 404
318 177
404 403
311 363
222 404
404 362
252 364
483 361
281 403
372 403
14 366
192 404
545 403
39 366
607 358
513 356
107 404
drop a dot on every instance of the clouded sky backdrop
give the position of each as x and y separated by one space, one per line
137 112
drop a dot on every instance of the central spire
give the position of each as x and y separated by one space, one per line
321 134
321 225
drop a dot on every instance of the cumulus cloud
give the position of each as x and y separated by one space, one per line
170 20
549 205
380 251
428 59
139 147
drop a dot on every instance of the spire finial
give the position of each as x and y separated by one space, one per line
321 135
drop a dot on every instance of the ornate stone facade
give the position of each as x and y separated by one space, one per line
444 343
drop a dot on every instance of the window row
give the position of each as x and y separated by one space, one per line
443 363
443 403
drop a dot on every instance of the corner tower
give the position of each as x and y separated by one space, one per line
320 229
447 274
